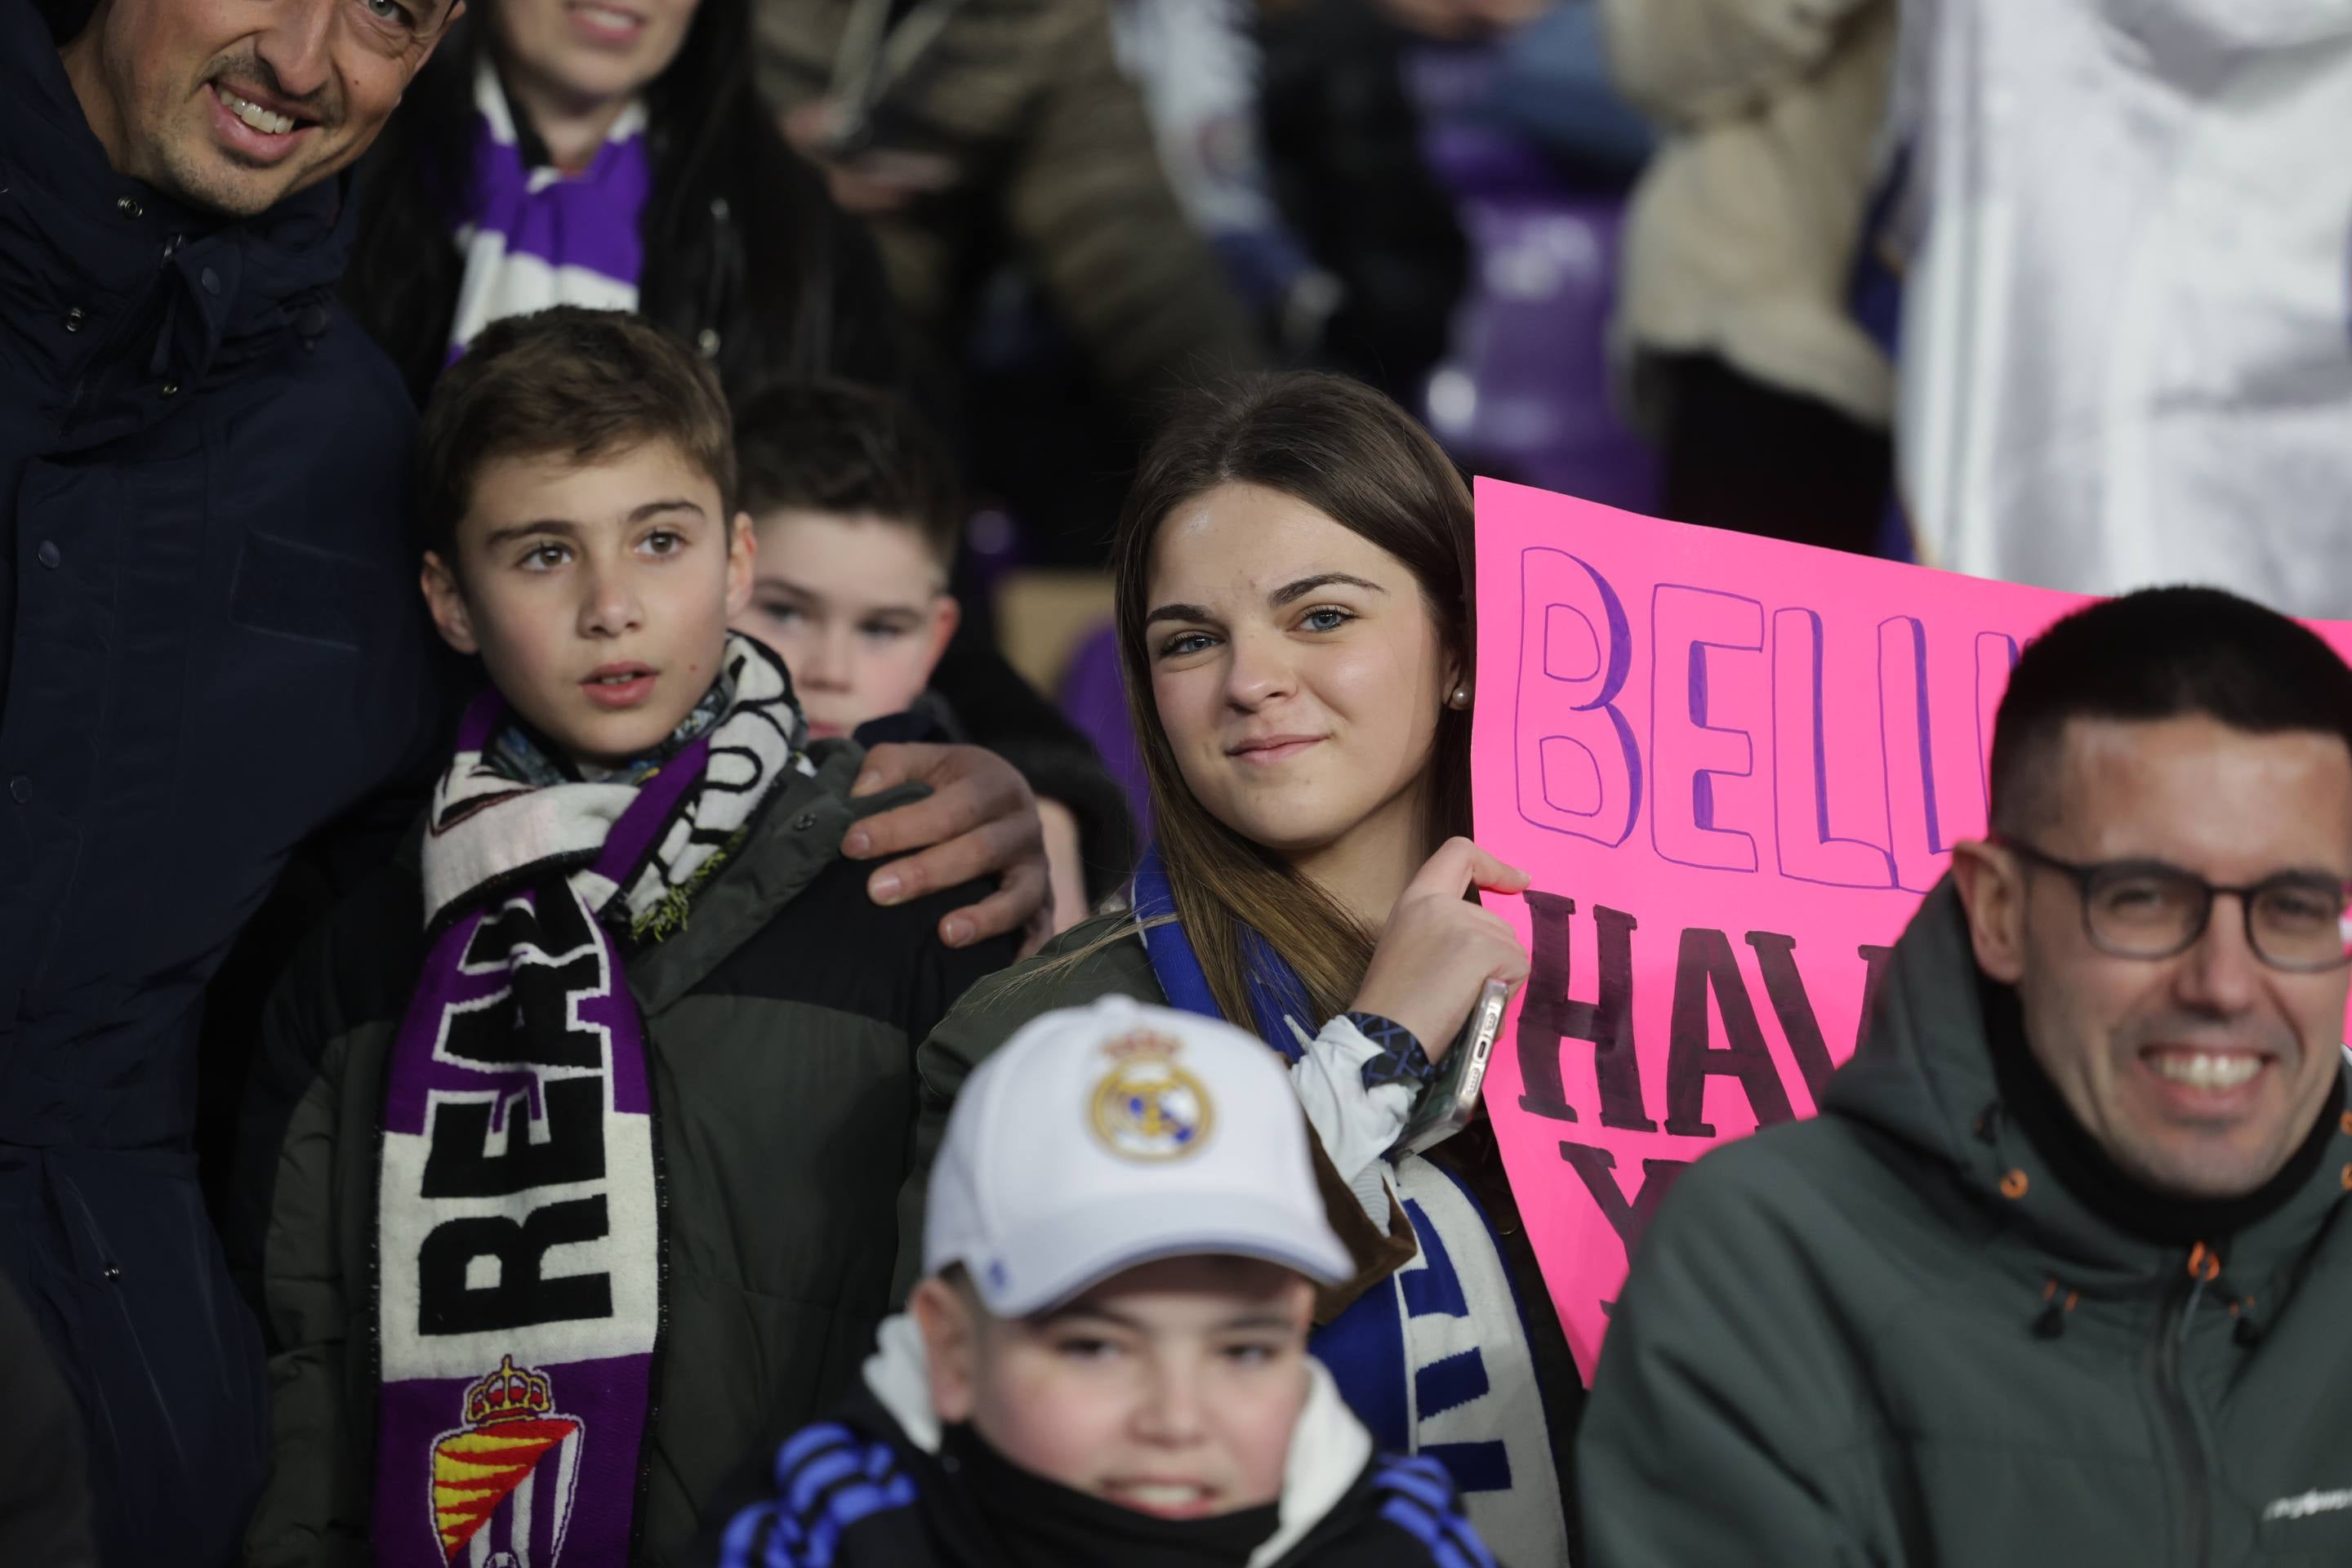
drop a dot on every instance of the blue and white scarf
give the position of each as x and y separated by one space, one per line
1435 1359
539 236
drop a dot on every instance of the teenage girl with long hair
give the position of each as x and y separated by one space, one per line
1294 570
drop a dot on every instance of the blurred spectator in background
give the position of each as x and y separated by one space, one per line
2125 352
957 125
1201 70
1552 84
1344 142
615 156
1738 348
1007 166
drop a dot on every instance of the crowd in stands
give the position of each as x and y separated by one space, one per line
737 768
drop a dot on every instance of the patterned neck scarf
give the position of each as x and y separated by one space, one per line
519 753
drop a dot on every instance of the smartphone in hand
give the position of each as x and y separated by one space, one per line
1445 1105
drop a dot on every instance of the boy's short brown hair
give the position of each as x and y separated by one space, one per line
580 383
830 446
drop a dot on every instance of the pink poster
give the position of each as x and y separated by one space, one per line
1731 766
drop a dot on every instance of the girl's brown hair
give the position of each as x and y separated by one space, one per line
1360 460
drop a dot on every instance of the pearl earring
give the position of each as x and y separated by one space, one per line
1460 697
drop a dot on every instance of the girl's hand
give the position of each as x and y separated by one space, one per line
1438 949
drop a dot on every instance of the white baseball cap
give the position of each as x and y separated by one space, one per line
1101 1137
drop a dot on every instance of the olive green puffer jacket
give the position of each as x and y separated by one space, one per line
1930 1327
782 1024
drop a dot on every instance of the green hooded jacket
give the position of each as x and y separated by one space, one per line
1932 1326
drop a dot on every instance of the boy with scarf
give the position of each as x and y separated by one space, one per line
598 1110
1106 1365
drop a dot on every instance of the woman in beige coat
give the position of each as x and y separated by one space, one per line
1733 335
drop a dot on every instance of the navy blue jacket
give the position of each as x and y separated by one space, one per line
211 644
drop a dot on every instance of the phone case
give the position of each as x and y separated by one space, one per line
1445 1106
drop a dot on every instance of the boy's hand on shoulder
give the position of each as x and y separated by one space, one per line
980 820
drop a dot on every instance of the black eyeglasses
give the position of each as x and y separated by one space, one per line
2296 921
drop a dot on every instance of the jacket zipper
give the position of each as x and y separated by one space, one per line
2195 1501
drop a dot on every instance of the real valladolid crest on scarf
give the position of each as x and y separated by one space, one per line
519 1252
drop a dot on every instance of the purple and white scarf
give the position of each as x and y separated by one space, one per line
539 236
517 1213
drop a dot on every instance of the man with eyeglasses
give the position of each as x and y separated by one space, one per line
2060 1274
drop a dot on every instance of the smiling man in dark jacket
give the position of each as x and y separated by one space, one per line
209 647
2061 1273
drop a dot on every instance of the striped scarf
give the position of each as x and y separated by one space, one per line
539 236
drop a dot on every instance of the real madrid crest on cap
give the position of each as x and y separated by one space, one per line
1146 1106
